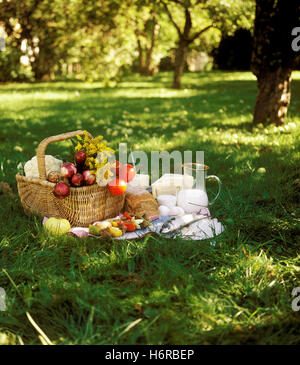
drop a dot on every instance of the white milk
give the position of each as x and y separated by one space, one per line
195 196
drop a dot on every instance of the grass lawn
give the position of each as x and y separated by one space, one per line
170 292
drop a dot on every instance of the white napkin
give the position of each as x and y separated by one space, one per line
201 227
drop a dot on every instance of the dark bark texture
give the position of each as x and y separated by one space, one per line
273 58
273 97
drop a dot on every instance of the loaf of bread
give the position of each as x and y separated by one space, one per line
139 201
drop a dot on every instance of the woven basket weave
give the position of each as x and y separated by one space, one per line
83 206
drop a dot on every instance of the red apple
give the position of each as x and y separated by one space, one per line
117 187
68 169
80 157
89 178
116 170
61 190
77 179
127 172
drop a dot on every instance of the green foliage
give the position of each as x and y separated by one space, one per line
97 40
71 39
194 19
10 67
226 16
88 291
230 15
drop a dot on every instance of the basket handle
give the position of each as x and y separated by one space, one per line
40 152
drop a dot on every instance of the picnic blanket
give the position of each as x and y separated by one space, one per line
200 227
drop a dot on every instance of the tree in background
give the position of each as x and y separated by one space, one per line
37 27
199 17
101 39
83 38
146 31
154 37
103 43
273 58
185 38
17 18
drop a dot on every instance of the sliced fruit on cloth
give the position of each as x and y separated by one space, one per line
116 232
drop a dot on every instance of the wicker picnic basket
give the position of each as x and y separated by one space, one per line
83 206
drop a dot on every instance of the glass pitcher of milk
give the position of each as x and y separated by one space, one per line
192 200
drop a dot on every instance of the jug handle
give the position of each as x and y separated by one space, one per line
214 177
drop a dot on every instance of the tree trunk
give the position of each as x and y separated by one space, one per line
273 58
180 59
273 97
145 62
146 53
149 53
43 65
142 65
